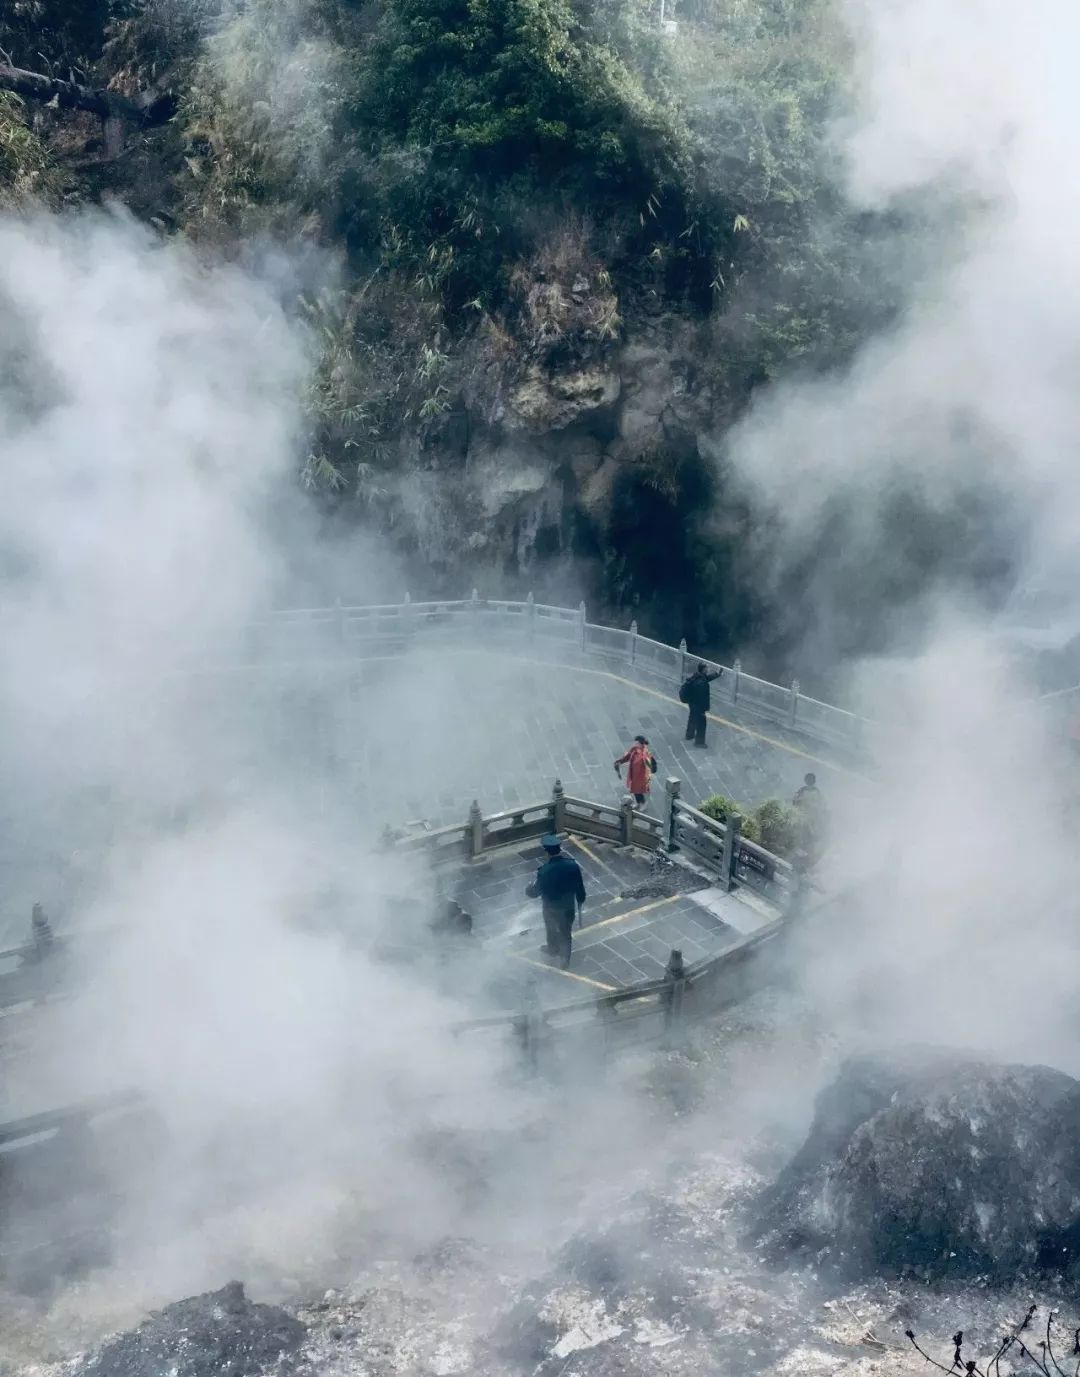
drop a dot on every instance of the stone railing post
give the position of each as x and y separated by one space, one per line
340 610
584 623
793 705
675 982
682 659
736 671
732 832
530 617
476 830
474 608
633 642
626 820
558 799
672 790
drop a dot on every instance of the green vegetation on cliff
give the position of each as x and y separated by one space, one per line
520 194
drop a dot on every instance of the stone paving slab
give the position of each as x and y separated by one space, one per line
501 731
746 913
624 941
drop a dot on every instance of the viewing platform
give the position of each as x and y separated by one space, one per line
629 926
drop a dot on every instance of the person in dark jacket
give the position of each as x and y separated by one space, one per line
40 932
697 696
561 889
811 823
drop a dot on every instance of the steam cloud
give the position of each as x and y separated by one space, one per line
973 390
143 431
975 382
148 425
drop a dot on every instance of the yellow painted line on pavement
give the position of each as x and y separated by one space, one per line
633 913
557 970
598 860
588 851
664 698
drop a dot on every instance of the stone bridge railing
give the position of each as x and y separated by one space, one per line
730 860
530 628
654 1010
639 1015
718 848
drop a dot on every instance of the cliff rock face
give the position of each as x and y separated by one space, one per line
935 1164
545 401
523 474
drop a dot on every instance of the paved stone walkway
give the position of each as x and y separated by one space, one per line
410 737
431 735
624 940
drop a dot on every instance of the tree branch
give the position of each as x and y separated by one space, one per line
148 107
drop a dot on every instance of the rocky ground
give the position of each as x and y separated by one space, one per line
641 1265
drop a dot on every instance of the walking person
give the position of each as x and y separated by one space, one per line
812 822
561 889
697 696
808 795
641 766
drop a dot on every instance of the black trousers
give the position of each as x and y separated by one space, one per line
558 924
695 726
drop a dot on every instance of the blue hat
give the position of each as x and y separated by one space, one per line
551 842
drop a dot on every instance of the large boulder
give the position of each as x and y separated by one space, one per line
220 1334
933 1163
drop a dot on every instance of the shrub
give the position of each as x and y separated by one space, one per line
720 807
772 824
27 170
777 825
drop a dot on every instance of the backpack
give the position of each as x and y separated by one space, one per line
684 693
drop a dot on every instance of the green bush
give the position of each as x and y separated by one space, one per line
27 170
772 824
777 825
719 807
510 84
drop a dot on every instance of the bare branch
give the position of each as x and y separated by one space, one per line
148 107
1049 1345
922 1354
968 1367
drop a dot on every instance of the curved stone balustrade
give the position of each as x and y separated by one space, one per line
560 633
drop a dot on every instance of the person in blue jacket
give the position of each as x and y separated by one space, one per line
561 889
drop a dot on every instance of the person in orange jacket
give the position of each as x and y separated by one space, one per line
641 766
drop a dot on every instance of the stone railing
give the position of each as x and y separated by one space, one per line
648 1011
718 848
532 628
639 1015
561 813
